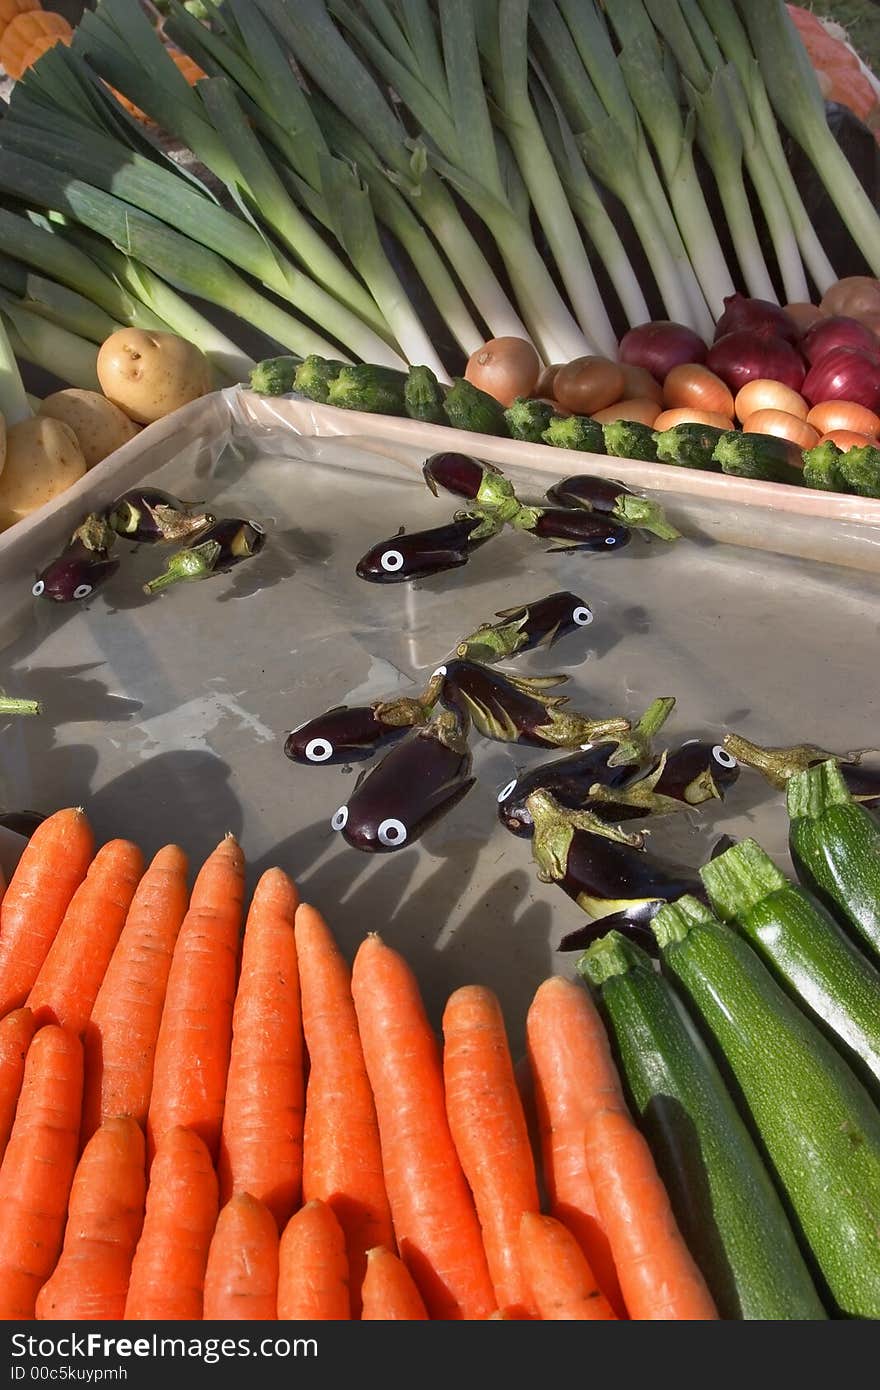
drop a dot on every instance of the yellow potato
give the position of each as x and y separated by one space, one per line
43 458
99 425
150 374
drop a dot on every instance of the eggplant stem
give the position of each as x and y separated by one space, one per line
637 748
554 828
196 562
10 706
779 765
644 515
639 796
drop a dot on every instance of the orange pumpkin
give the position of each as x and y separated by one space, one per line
22 32
43 43
11 9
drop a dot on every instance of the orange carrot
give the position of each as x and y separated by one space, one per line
37 1169
559 1277
120 1036
16 1031
658 1275
52 866
388 1291
241 1280
512 1313
435 1222
105 1216
573 1072
342 1159
168 1269
195 1034
261 1139
65 990
489 1131
313 1274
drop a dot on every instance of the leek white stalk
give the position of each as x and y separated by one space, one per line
56 302
65 355
14 405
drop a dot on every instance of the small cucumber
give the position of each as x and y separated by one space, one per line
802 944
760 456
423 396
724 1201
689 446
468 408
275 376
835 848
629 439
527 419
818 1126
575 432
367 387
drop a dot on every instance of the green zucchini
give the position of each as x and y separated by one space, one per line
629 439
275 376
818 1126
527 419
860 470
423 396
822 468
801 943
726 1206
760 456
579 432
689 445
468 408
835 848
367 387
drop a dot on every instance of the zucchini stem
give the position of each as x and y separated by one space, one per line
674 921
611 955
740 878
810 793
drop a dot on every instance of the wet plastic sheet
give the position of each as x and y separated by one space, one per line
165 717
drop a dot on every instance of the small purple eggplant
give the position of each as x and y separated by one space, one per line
220 548
605 871
354 733
573 528
150 516
696 772
419 554
513 709
777 765
612 498
539 624
415 784
570 780
478 482
75 574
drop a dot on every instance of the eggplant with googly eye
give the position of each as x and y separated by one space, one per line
570 779
606 871
696 772
76 573
514 709
419 554
524 629
149 516
779 765
417 783
614 499
215 551
354 733
573 528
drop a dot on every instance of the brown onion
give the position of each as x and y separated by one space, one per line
783 426
803 315
543 388
854 296
504 368
639 384
587 384
636 408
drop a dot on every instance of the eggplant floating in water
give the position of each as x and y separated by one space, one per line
573 527
150 516
615 499
480 483
692 774
523 629
220 548
513 709
75 574
419 554
606 872
353 733
778 765
569 780
415 784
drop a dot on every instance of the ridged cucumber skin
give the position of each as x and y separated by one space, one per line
806 949
818 1125
838 857
724 1200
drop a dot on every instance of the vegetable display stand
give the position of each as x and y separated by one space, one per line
167 715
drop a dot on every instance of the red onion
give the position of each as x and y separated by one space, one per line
746 356
845 374
758 316
660 346
837 331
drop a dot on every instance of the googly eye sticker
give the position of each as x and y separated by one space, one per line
82 591
441 671
340 819
255 526
391 561
392 832
39 589
582 615
505 792
721 755
318 750
611 540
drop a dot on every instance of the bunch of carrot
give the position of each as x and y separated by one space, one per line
204 1122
